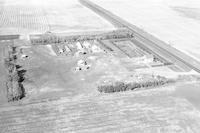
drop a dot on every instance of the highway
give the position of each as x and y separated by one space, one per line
144 39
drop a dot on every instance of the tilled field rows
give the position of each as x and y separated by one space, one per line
1 6
23 18
148 111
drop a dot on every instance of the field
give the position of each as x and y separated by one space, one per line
94 83
3 72
174 21
59 95
153 111
20 17
67 69
73 68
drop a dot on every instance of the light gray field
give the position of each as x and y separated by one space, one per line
35 16
173 21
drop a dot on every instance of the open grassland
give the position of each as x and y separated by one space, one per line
34 16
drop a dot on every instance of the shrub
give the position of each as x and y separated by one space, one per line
121 86
15 89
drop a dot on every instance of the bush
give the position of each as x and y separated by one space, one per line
121 86
15 89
